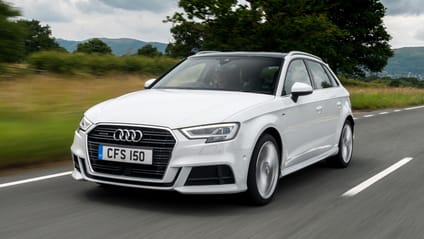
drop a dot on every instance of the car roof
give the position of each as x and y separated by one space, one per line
256 54
241 53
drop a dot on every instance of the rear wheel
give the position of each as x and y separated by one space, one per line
264 171
344 156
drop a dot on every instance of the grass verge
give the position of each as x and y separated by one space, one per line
380 98
39 113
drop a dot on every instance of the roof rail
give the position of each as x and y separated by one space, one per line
205 52
293 53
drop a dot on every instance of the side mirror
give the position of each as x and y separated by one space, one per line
299 89
149 83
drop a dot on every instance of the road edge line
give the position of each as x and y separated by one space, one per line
369 182
30 180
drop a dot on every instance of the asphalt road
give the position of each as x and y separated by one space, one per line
308 204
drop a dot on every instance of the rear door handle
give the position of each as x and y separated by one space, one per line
339 104
319 109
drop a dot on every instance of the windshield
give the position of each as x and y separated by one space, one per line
234 73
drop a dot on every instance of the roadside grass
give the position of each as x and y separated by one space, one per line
39 112
32 140
364 98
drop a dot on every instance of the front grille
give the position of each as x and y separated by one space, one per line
160 141
129 182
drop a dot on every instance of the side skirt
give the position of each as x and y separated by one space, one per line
299 166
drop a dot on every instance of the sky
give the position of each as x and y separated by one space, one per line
143 19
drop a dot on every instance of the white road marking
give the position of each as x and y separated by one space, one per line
30 180
367 183
414 108
354 118
386 112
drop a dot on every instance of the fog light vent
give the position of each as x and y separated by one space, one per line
76 162
210 175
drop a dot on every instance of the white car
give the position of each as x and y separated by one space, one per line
219 122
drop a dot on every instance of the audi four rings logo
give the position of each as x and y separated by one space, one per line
128 135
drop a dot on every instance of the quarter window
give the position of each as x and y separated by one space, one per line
297 72
319 76
331 76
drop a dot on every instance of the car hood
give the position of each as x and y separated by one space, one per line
174 108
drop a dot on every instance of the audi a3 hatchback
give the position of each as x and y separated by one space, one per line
219 122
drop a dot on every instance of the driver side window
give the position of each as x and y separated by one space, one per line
296 72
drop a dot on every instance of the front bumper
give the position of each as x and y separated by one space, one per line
187 156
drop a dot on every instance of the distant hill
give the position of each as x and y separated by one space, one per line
121 46
407 62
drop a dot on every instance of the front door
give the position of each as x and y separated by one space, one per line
301 119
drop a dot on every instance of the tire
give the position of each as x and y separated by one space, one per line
264 171
344 156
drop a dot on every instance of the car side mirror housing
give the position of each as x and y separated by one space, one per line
149 83
299 89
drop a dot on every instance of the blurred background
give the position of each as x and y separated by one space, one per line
58 58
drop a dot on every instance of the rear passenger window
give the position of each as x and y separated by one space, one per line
297 72
319 75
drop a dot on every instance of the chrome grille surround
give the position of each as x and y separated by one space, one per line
161 140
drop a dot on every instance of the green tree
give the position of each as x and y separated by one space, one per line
214 25
11 35
366 46
148 50
37 37
300 25
94 45
349 36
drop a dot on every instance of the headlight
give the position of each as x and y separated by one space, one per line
212 133
84 124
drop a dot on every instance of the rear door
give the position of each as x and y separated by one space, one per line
326 92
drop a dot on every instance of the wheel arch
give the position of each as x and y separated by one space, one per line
271 130
253 190
274 133
349 119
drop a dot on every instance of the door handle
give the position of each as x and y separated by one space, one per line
319 109
339 104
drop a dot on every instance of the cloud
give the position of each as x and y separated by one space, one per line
420 35
44 10
92 6
404 7
140 25
405 30
83 19
156 6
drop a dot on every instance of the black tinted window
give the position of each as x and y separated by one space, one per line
319 75
333 80
234 73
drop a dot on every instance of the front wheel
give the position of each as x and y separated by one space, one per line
264 171
344 156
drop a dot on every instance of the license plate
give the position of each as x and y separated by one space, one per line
125 155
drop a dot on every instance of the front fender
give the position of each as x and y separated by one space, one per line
253 129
